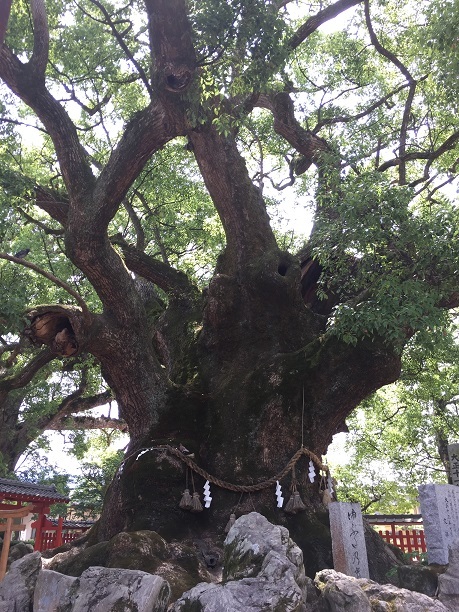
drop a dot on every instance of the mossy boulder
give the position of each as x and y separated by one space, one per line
263 570
179 564
418 578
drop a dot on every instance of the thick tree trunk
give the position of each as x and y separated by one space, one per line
259 352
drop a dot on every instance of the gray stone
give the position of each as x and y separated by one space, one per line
383 558
348 539
53 592
448 583
341 592
274 589
440 513
17 587
417 578
263 570
248 542
182 566
453 455
102 589
19 550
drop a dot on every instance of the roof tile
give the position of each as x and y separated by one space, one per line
29 489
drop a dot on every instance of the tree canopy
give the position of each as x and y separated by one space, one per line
150 151
399 437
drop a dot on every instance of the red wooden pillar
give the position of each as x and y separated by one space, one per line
6 547
422 541
40 509
60 524
393 534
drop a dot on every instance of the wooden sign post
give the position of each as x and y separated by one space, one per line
8 528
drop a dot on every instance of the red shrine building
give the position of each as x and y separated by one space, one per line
15 494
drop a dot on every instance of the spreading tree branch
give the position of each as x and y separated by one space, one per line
29 86
311 146
39 59
147 132
5 9
412 83
56 208
123 45
87 422
381 49
57 281
238 202
22 123
446 145
75 403
140 243
357 116
314 22
47 230
27 372
164 276
171 43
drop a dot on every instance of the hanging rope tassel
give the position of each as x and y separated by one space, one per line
324 490
295 503
186 503
326 497
196 505
230 523
289 506
298 505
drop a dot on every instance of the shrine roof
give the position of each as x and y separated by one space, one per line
397 519
52 521
68 524
18 490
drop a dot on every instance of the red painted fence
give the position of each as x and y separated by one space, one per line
49 539
51 534
411 541
402 530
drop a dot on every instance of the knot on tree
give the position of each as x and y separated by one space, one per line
178 79
54 326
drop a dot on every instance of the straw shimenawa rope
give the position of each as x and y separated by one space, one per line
228 485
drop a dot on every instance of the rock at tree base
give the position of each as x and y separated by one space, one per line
448 582
53 592
19 550
101 589
345 593
17 587
417 578
381 559
144 550
263 570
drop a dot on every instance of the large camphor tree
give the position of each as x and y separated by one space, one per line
163 139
